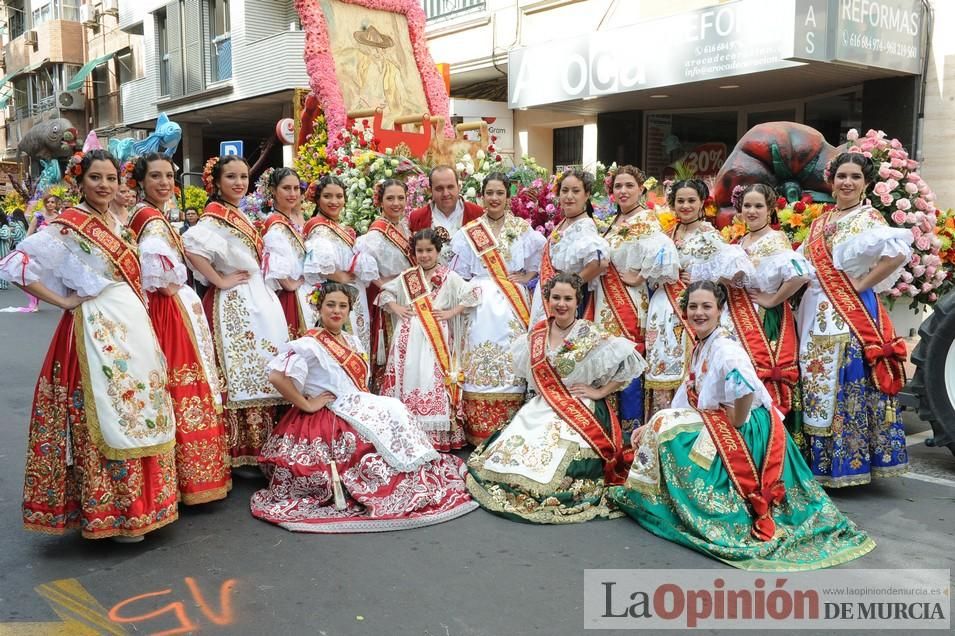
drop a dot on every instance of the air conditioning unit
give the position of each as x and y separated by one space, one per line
29 38
111 7
71 100
89 16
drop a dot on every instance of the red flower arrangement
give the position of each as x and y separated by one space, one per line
207 181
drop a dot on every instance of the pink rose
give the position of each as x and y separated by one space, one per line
891 184
906 276
914 177
886 199
894 293
881 188
918 271
852 135
911 188
927 287
905 204
922 205
913 291
867 154
910 217
927 226
915 259
936 242
895 143
895 174
923 243
911 164
941 275
930 271
932 297
916 232
884 171
898 217
897 163
929 197
902 287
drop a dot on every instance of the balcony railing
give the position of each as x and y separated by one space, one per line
436 9
43 105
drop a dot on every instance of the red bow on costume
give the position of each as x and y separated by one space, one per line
888 364
788 375
762 501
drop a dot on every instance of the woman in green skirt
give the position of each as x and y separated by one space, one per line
553 462
718 472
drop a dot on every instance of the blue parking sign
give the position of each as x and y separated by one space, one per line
230 148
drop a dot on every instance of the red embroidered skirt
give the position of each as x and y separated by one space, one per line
377 498
202 456
69 483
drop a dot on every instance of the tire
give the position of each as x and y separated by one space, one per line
934 382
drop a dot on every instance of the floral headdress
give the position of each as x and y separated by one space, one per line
377 193
207 181
126 173
736 198
74 169
262 184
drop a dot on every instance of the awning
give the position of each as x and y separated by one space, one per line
21 71
4 99
78 79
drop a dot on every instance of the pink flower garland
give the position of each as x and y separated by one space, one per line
321 66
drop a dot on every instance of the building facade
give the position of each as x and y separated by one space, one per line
652 83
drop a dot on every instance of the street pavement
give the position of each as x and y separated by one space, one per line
220 571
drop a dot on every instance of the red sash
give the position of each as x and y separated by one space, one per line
609 446
281 219
143 216
237 221
673 291
418 291
883 351
547 272
353 363
484 244
776 362
391 232
761 490
120 254
336 228
622 307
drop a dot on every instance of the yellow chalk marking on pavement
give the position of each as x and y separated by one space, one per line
80 614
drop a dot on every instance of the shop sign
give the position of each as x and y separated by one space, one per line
706 159
741 37
885 34
499 119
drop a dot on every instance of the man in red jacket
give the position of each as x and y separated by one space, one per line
447 209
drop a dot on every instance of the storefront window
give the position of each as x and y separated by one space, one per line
568 147
834 115
691 143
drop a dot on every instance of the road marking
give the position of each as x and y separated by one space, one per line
80 614
941 481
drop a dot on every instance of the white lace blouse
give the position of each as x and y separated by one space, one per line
326 253
594 357
722 373
61 261
221 246
159 258
283 256
518 243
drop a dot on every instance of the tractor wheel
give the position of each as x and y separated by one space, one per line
934 381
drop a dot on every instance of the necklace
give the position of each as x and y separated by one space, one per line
154 205
564 330
94 209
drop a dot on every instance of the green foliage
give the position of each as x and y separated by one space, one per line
196 198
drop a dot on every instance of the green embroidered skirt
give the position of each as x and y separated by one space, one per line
679 489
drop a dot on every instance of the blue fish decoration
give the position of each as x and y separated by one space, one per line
165 138
123 149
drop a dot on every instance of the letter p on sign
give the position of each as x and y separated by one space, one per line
230 148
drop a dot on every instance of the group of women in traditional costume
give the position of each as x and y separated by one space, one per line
668 376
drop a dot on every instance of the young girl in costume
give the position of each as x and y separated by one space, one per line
501 253
718 473
553 462
424 368
100 454
852 362
225 250
343 459
284 250
202 447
